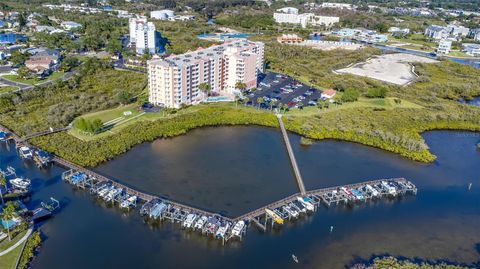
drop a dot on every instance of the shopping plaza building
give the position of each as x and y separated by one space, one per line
175 80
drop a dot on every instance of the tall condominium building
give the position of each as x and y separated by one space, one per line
290 15
175 80
144 37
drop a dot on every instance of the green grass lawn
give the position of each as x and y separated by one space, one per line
8 261
33 81
5 89
6 244
137 117
387 103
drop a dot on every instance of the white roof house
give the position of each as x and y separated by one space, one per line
70 25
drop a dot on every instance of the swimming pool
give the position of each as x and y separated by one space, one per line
222 36
218 99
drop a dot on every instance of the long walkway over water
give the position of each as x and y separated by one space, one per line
298 176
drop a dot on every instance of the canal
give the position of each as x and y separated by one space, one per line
234 169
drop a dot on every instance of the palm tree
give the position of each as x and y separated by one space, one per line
205 88
237 97
3 184
272 103
259 101
240 86
8 214
245 100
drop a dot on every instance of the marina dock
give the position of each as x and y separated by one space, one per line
212 224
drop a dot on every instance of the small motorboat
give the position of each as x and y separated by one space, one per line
295 259
21 183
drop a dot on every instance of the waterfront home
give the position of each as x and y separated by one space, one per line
471 49
328 94
444 46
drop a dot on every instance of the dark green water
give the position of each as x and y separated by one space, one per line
235 169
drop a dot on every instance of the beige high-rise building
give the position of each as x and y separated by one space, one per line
175 80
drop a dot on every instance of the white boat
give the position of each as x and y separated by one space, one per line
201 222
112 194
21 183
222 230
391 190
25 152
290 212
238 228
128 202
105 191
373 191
307 204
188 223
157 210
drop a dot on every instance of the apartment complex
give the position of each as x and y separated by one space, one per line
175 80
290 15
144 37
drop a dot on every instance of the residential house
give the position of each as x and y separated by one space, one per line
328 94
289 39
444 46
436 32
471 49
70 25
475 34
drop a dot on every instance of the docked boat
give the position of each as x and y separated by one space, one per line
307 203
274 216
112 194
201 222
189 221
157 210
104 191
22 184
291 213
372 190
347 191
222 230
25 152
357 194
3 136
212 224
238 228
300 206
128 202
390 189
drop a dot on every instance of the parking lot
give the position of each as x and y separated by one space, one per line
282 89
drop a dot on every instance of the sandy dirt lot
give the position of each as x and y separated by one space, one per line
393 68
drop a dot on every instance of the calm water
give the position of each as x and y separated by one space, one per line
475 101
442 221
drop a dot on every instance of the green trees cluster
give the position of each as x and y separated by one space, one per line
92 126
105 148
96 86
379 92
350 95
33 242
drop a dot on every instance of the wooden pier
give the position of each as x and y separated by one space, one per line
296 171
